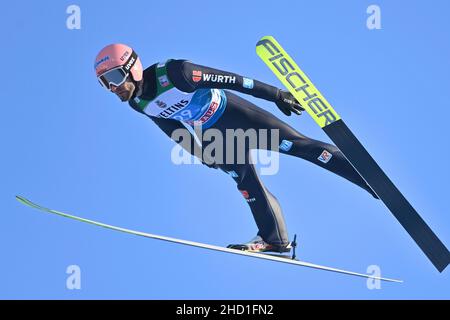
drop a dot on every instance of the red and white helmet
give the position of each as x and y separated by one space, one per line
121 60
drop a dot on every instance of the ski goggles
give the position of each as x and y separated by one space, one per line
117 76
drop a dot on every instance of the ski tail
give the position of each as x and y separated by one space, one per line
394 200
298 83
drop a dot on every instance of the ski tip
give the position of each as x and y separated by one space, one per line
263 39
27 202
21 199
266 37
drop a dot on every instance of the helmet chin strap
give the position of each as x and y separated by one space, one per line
139 88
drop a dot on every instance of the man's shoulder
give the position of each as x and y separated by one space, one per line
170 64
176 72
150 69
167 62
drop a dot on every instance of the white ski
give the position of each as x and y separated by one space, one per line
203 245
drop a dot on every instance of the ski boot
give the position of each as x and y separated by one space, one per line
258 245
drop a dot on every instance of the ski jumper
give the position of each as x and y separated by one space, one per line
177 93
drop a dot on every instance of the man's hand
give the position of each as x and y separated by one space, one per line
287 103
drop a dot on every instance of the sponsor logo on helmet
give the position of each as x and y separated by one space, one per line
196 75
124 56
325 156
99 62
248 83
286 145
130 64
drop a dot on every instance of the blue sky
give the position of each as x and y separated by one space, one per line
69 145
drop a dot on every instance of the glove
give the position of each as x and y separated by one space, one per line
287 103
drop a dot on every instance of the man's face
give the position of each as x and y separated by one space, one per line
125 90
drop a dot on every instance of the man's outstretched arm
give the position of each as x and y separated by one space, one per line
189 77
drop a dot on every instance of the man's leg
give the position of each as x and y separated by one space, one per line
243 114
264 206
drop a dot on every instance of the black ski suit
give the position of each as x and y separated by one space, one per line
242 114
